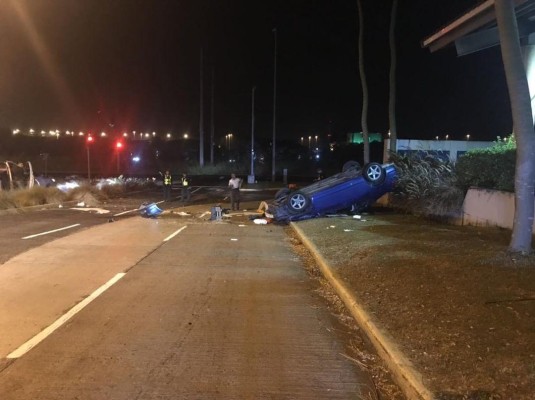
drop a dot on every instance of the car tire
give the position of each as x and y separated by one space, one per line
374 173
351 165
282 194
298 202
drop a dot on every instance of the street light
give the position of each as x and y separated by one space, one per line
88 141
251 178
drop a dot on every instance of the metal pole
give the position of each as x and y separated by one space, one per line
88 165
201 122
212 128
273 148
252 137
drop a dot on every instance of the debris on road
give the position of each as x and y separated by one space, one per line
149 210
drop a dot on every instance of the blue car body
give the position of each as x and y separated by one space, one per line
354 189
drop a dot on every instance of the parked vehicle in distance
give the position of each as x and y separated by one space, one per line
353 189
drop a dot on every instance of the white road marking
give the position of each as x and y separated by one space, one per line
98 210
64 318
47 232
175 233
204 214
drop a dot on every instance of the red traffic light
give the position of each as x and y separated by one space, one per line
119 145
90 139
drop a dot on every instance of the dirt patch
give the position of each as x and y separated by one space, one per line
458 307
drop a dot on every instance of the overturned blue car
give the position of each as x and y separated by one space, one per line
352 189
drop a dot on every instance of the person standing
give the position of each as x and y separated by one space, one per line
167 183
234 185
185 188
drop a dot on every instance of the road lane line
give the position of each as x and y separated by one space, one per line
55 230
175 233
30 344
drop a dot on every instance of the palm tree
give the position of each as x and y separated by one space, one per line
392 95
364 115
518 88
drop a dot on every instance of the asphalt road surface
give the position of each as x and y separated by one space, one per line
177 307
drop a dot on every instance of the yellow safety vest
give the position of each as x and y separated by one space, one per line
167 180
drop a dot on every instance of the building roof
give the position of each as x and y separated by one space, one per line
476 29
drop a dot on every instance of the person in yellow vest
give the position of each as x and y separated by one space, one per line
185 188
167 183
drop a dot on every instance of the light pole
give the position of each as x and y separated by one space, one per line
273 148
251 178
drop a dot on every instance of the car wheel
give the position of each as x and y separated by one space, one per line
374 173
282 194
298 202
351 165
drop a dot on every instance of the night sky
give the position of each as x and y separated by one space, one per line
123 65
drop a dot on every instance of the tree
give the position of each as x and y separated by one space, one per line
392 76
517 85
364 115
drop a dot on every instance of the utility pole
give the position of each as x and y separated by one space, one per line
273 147
201 122
212 128
251 178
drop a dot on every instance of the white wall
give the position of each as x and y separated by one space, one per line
485 207
453 147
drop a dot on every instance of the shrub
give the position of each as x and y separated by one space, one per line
426 185
489 168
35 196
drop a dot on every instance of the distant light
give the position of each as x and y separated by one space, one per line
436 137
119 145
153 133
468 137
103 134
136 159
447 137
80 133
186 136
125 134
168 136
90 139
147 135
31 131
317 156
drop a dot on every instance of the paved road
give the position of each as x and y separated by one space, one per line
22 231
204 310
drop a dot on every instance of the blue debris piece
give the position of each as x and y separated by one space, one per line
150 210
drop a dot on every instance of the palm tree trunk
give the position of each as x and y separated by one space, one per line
518 88
392 96
364 115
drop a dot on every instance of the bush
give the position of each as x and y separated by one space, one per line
490 168
426 185
35 196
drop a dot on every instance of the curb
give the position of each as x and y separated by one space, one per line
404 374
